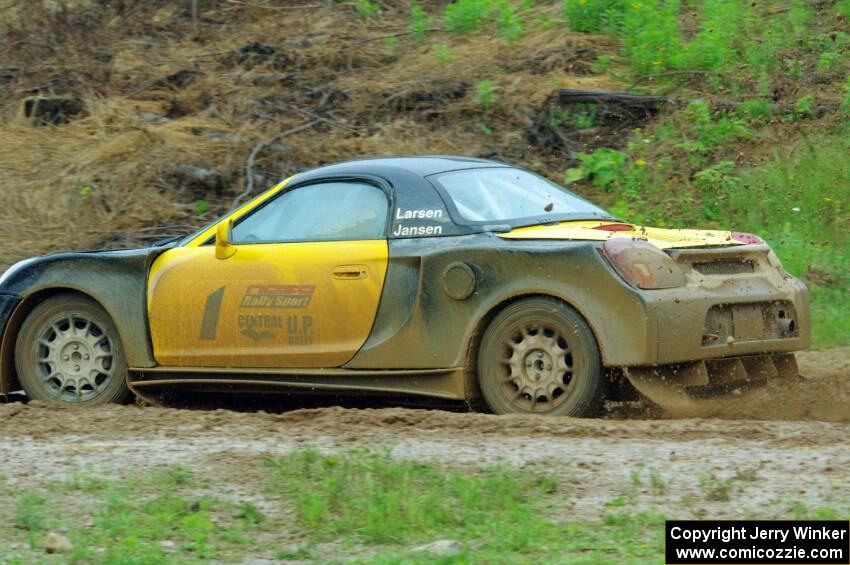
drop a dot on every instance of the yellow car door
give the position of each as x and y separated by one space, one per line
300 288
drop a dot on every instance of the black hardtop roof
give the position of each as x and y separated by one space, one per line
393 167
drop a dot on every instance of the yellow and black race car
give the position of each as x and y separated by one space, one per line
444 276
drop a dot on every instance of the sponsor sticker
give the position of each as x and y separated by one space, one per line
277 296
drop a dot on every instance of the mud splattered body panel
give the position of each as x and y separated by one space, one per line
633 327
402 312
115 279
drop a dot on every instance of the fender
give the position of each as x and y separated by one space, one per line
117 280
417 315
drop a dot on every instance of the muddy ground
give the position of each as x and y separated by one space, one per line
772 449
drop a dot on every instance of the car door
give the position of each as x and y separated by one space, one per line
301 289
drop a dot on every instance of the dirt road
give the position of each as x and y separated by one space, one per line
768 450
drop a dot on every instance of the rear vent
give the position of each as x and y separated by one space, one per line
725 267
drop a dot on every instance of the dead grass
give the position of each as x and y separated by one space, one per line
171 116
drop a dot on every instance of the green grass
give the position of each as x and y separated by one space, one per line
361 506
801 205
463 16
734 44
497 513
31 512
420 21
125 522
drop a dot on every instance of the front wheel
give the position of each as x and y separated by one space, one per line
68 350
538 356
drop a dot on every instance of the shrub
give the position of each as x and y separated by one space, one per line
486 95
804 105
710 132
367 9
443 54
714 46
592 15
508 24
467 15
601 64
419 20
650 34
828 61
731 36
845 101
603 167
757 110
715 183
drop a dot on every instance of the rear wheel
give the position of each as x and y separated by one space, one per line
68 350
538 356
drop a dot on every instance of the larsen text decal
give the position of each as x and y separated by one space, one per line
402 230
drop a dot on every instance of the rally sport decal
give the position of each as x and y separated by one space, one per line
260 326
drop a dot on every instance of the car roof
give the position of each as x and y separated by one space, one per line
391 167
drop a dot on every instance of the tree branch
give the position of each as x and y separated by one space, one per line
249 164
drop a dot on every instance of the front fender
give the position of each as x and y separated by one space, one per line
117 280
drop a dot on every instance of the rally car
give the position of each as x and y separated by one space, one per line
450 277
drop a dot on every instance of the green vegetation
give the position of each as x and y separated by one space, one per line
733 42
496 514
386 501
472 15
581 117
486 95
31 512
367 9
443 54
467 15
420 21
716 489
592 15
359 505
159 519
603 167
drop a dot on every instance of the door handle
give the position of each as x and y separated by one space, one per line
350 272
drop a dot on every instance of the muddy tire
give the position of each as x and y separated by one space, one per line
538 356
68 350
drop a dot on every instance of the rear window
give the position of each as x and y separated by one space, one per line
509 195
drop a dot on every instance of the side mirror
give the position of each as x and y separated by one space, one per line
223 233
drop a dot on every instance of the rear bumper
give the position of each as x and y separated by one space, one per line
721 315
731 322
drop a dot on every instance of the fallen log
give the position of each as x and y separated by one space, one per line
633 106
638 106
610 113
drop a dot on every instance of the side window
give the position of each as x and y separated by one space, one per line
325 211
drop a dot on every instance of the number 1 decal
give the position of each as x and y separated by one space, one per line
211 314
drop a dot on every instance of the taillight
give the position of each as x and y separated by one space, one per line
742 237
643 264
